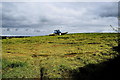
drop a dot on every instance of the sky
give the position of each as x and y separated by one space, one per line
60 0
41 18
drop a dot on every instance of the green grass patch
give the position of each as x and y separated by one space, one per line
58 55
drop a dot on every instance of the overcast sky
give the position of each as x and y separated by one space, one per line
23 18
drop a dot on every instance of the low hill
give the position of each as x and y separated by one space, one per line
65 56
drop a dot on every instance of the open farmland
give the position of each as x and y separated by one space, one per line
57 56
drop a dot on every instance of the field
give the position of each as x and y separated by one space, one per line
56 56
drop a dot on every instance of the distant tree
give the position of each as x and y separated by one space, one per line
26 29
16 29
8 29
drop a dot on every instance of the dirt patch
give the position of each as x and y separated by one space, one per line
94 43
43 55
63 37
71 54
57 45
69 43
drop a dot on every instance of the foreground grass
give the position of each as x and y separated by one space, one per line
56 55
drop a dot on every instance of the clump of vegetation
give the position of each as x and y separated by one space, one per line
57 56
12 64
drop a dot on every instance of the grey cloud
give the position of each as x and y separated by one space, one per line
108 10
111 11
48 16
0 17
